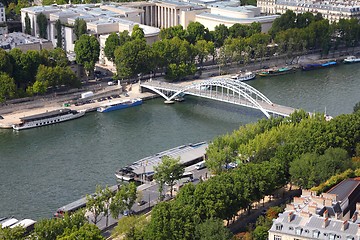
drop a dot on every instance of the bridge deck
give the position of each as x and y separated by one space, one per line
193 88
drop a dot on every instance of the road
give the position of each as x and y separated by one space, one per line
150 192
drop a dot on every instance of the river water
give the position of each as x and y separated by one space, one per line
45 168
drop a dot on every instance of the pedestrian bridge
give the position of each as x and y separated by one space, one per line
220 89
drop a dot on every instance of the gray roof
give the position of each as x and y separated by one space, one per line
185 152
305 227
344 189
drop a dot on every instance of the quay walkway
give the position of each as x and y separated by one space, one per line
221 89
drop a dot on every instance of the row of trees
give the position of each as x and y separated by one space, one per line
175 54
33 72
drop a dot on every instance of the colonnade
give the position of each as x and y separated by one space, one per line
159 16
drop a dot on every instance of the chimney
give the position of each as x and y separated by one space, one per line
326 214
312 209
326 222
290 207
298 200
328 202
290 216
345 225
305 214
354 217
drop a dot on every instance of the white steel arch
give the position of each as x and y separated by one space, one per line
238 93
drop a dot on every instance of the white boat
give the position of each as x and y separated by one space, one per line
48 118
351 59
243 76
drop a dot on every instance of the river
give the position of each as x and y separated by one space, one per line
45 168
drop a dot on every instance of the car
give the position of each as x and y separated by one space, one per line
126 95
213 75
1 117
127 212
142 202
115 95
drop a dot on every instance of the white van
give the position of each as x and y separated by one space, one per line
200 165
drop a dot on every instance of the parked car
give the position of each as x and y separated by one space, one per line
142 202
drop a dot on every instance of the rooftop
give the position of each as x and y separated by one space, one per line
11 40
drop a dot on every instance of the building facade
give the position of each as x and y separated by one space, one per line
332 10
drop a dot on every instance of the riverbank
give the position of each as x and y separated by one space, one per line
41 106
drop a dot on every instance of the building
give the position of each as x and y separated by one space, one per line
106 18
23 41
330 9
333 215
101 19
3 26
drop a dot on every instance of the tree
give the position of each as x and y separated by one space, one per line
87 50
357 107
132 58
42 22
168 171
196 31
95 204
220 33
16 233
171 32
5 62
52 228
123 200
58 33
87 231
80 28
27 24
111 43
212 229
132 227
137 33
7 87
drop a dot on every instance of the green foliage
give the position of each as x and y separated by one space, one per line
357 107
123 200
58 33
7 87
333 180
212 229
42 22
5 62
195 31
80 28
27 24
87 50
171 32
52 228
311 169
137 33
171 221
111 43
131 227
16 233
54 77
220 33
132 58
178 72
87 231
168 171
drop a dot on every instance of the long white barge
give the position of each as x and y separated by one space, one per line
143 169
48 118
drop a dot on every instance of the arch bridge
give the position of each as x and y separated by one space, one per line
220 89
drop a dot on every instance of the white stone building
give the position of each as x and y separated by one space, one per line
330 9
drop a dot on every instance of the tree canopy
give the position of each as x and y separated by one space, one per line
87 50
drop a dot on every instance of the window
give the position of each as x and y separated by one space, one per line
316 234
350 238
276 237
298 230
291 228
332 236
279 227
